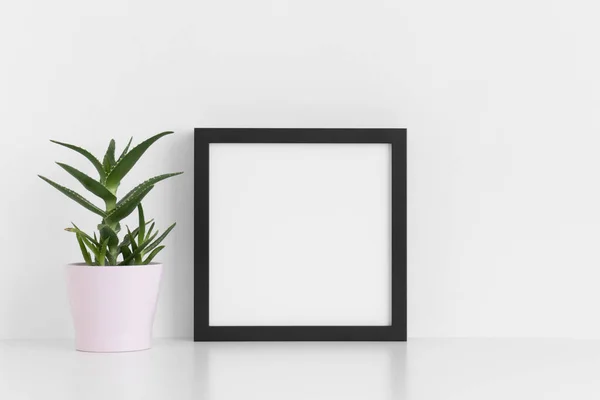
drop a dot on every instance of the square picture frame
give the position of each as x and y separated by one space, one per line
223 147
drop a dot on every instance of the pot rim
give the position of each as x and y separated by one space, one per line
84 265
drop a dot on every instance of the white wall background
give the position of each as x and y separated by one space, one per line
501 100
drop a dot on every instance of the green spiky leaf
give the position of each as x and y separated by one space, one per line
138 250
94 249
102 253
87 155
125 150
126 253
112 241
146 243
150 230
127 240
160 238
106 232
76 230
123 209
90 184
139 254
84 252
109 157
114 177
131 241
75 196
147 183
153 254
141 224
134 233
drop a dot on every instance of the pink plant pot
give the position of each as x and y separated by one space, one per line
113 307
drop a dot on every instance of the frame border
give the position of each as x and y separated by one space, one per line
203 137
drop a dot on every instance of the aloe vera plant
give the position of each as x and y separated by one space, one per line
138 247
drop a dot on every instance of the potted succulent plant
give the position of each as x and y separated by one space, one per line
113 293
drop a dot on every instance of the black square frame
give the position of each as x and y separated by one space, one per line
203 137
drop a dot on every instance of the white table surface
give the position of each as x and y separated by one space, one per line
481 369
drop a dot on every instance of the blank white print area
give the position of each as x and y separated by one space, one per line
300 234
